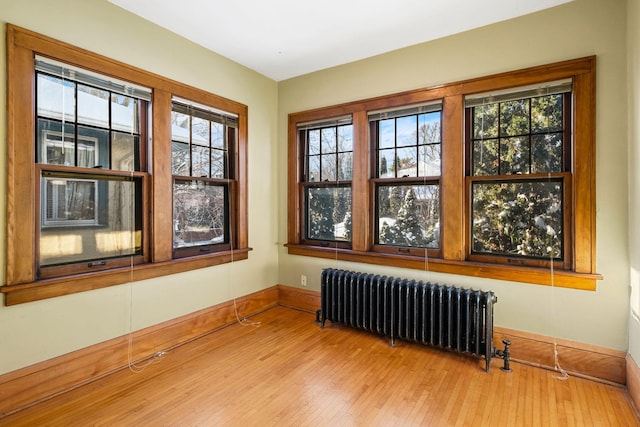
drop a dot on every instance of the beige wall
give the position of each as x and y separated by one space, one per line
633 66
577 29
40 330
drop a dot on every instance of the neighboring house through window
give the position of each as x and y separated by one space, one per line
102 188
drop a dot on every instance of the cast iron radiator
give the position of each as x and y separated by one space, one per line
448 317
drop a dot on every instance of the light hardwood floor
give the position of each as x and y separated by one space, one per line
289 371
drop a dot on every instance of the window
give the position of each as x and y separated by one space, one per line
100 188
407 180
519 168
88 127
326 176
477 178
202 145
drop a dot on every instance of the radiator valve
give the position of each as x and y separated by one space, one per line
506 355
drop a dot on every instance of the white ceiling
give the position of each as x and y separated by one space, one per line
286 38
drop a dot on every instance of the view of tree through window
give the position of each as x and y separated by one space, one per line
408 148
328 172
201 141
517 187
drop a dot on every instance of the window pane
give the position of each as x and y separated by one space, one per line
514 156
407 162
51 148
345 138
485 157
313 141
124 113
180 130
407 130
429 161
429 128
93 106
514 117
345 166
218 163
408 215
89 219
386 164
329 140
200 157
313 172
199 210
485 121
328 167
387 133
56 97
518 218
93 147
180 159
217 135
546 153
329 213
200 131
546 113
124 149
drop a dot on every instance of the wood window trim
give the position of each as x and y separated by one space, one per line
582 272
22 284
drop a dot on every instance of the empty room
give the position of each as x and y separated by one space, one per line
295 213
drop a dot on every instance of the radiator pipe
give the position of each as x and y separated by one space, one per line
506 355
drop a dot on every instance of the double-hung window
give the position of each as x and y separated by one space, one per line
203 143
115 174
326 181
88 150
407 148
519 169
490 177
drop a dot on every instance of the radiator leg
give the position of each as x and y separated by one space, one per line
506 355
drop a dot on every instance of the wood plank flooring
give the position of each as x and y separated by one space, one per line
290 372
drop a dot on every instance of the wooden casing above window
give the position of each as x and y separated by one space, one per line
578 271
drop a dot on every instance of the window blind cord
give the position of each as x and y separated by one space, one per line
556 360
244 321
157 357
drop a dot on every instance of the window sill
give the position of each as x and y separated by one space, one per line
539 276
49 288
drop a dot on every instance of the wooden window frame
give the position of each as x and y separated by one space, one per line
22 282
578 273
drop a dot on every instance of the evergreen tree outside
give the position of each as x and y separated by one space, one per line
408 221
320 214
518 218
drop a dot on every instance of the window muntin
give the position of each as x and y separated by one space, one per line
408 150
84 125
202 149
519 168
326 181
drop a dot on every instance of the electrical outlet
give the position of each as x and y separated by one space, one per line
303 280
